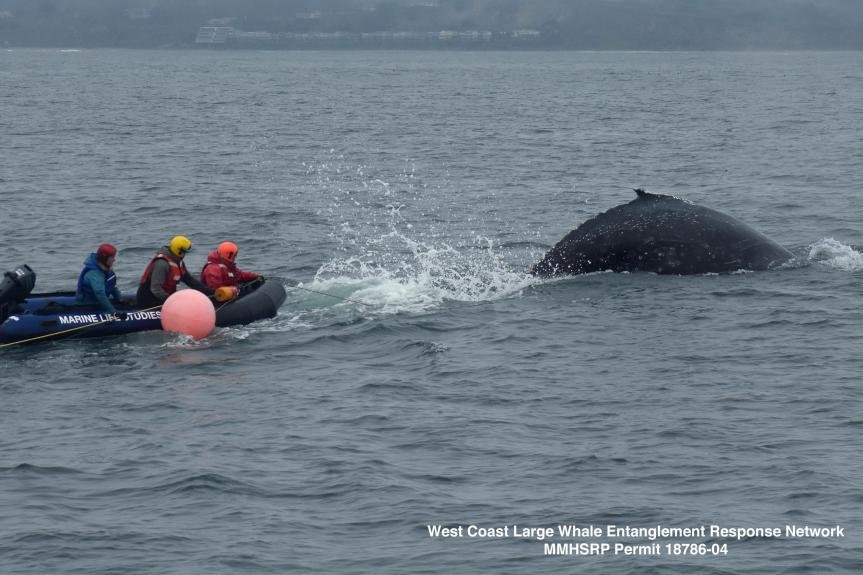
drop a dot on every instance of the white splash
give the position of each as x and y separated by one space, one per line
178 341
413 276
835 254
404 244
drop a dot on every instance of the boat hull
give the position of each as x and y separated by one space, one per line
51 316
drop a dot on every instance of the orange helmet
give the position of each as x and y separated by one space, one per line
228 251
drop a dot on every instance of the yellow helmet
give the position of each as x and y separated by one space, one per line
180 245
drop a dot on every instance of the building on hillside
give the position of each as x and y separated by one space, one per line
214 34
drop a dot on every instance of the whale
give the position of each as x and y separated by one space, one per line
664 235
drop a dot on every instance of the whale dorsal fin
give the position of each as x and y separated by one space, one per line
645 195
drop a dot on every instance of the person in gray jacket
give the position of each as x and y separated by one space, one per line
165 271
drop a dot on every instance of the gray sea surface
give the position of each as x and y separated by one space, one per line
454 389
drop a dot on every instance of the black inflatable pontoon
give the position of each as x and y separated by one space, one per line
26 317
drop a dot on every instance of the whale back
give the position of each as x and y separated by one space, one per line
665 235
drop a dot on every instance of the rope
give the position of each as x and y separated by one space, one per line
70 330
81 327
331 295
470 304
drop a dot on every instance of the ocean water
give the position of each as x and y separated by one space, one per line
453 388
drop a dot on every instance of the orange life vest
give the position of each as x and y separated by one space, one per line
174 274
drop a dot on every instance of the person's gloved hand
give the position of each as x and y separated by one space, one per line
121 316
226 293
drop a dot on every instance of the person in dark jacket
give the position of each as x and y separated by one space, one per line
221 269
165 271
97 282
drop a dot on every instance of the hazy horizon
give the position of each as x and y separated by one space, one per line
503 24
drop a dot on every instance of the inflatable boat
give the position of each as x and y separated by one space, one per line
26 317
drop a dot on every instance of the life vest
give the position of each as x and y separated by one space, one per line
229 278
175 273
84 287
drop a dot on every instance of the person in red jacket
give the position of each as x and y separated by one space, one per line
221 269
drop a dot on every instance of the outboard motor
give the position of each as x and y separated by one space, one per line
15 286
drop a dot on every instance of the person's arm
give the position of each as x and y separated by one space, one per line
158 275
117 294
244 277
97 284
193 283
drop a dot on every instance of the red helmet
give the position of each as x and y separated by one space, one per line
104 252
228 251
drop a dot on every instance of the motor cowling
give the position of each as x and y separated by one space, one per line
15 286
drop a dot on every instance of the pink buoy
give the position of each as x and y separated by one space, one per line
189 312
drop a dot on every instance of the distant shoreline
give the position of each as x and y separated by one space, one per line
450 25
196 48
